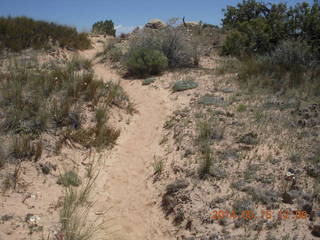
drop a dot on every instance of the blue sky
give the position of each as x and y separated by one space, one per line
126 14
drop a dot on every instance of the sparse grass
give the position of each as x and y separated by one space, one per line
204 133
227 65
77 64
36 100
259 72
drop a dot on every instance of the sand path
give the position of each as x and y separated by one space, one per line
124 184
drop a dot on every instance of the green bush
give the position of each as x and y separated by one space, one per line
234 44
258 27
21 32
145 61
104 27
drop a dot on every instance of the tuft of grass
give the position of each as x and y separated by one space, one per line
22 148
101 116
69 178
206 162
158 165
242 108
11 179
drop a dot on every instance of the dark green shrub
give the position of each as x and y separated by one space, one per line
264 25
234 44
104 27
145 61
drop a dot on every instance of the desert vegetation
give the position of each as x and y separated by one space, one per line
150 52
18 33
278 45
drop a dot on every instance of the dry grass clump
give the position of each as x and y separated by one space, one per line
75 209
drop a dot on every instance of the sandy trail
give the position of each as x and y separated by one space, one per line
124 184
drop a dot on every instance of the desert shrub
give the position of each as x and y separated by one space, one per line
104 27
291 54
234 44
111 51
115 54
145 61
181 47
19 33
258 27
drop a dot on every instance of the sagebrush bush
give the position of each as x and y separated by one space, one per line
181 47
291 54
145 61
19 33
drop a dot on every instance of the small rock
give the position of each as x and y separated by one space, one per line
212 100
184 85
148 81
227 90
32 219
155 24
